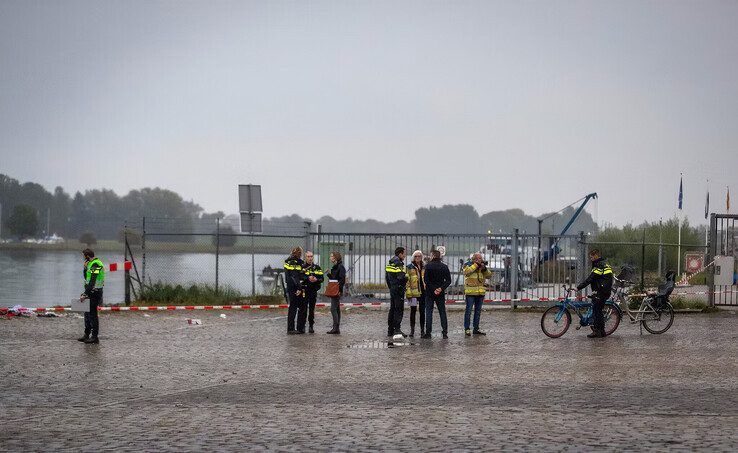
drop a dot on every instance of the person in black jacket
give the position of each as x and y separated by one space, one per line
312 280
600 279
437 279
396 279
337 272
295 292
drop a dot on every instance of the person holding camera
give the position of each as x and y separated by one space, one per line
475 275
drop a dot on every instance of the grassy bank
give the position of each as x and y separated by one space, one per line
167 294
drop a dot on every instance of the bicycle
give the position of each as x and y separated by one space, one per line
655 313
557 319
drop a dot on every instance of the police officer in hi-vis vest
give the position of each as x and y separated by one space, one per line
94 276
312 279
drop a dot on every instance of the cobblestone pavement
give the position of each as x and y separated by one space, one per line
240 383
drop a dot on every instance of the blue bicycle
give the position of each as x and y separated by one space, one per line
557 319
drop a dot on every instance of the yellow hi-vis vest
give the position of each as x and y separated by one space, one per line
474 280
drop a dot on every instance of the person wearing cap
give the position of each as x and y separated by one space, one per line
94 276
312 279
295 292
394 274
415 292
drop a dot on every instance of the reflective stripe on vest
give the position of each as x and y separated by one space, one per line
96 267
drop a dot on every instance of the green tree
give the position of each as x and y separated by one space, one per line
23 221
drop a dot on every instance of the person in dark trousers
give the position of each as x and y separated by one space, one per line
600 280
312 280
293 266
94 276
396 279
415 292
437 279
338 273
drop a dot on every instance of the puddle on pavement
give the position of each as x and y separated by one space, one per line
377 344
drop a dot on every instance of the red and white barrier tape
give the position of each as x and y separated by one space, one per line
319 305
127 265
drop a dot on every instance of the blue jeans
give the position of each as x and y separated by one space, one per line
477 302
440 301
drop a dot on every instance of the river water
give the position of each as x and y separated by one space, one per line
34 278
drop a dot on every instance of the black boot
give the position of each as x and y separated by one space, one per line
83 338
92 340
412 331
596 333
310 329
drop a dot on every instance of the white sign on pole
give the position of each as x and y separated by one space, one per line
250 222
249 198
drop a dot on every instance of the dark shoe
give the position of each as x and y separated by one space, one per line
300 332
467 332
291 332
596 334
412 333
479 332
445 336
92 340
422 332
332 332
426 336
83 339
311 330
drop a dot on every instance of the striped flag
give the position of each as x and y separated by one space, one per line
681 193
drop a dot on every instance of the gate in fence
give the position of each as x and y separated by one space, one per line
524 266
723 249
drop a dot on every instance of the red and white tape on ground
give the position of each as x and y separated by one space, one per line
319 305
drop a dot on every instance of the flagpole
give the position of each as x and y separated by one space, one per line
679 250
679 220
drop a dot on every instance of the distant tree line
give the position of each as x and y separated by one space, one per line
27 209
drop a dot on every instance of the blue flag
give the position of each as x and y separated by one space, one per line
680 193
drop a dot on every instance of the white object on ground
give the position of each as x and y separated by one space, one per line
223 315
194 322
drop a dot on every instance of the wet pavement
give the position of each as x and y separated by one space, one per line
240 383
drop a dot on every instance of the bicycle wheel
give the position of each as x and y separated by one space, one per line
612 316
659 320
555 321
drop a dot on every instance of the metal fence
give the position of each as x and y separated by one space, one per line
525 266
724 242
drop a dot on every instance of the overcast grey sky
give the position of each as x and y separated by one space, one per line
372 109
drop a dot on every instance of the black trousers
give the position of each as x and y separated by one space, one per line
336 312
394 317
92 323
598 319
310 298
296 311
413 310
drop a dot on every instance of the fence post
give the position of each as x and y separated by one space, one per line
217 252
126 271
643 259
307 235
143 252
514 269
581 257
711 252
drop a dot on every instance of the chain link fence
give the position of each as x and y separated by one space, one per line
525 266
